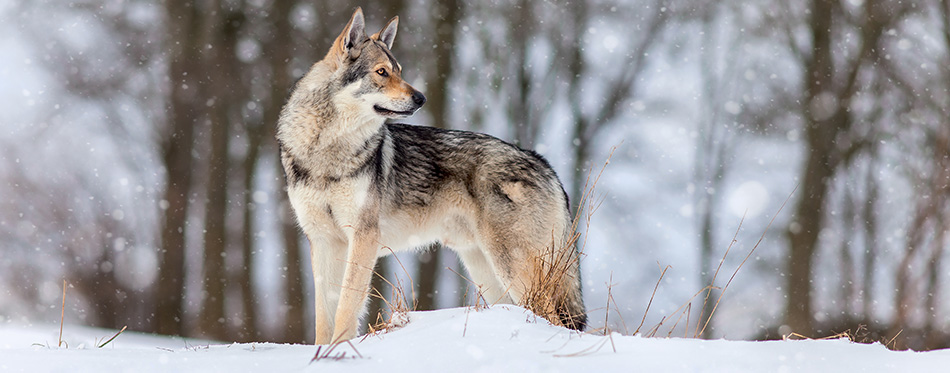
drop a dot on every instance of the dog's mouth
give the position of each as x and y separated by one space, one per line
392 113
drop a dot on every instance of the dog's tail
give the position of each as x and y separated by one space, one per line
569 304
556 290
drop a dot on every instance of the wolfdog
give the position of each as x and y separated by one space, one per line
362 188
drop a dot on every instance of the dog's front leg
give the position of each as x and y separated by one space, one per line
363 250
328 259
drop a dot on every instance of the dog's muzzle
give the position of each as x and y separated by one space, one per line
418 98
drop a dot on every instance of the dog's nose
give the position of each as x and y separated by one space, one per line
418 98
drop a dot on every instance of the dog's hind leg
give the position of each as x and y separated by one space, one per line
483 275
511 266
530 252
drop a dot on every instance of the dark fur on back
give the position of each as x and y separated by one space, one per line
424 157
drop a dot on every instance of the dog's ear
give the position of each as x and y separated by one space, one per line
354 32
388 33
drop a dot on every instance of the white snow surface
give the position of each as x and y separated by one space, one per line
499 339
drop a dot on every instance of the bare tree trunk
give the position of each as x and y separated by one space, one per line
847 280
587 125
932 324
520 107
281 54
184 23
446 14
828 89
103 290
942 200
258 134
245 277
575 69
803 233
214 322
295 330
820 129
710 162
870 233
928 224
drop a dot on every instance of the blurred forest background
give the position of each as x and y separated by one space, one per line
138 160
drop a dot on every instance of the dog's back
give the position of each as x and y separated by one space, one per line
425 158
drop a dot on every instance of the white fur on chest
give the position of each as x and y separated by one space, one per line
334 210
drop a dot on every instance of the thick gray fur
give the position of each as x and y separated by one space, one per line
361 188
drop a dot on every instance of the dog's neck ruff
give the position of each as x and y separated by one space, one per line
334 147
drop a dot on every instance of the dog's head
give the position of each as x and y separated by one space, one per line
368 73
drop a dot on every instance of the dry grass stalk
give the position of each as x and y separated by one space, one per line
327 354
685 312
607 312
590 350
859 335
662 273
113 337
610 299
62 316
465 328
689 308
478 292
397 306
398 303
889 343
549 288
478 295
412 287
797 337
552 269
756 246
712 282
652 332
606 328
685 307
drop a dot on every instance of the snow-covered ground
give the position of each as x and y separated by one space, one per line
499 339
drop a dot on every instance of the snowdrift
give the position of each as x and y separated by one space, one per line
499 339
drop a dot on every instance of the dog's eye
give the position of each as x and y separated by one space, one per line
382 72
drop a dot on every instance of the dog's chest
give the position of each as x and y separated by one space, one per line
330 205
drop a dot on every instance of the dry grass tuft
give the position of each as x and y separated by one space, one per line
797 337
553 271
62 318
701 325
398 304
860 334
551 287
478 303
